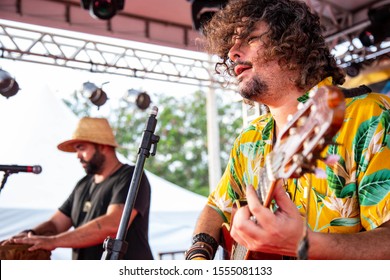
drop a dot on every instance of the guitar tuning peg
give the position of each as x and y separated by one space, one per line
292 131
289 117
302 120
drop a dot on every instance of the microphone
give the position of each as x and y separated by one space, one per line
152 121
36 169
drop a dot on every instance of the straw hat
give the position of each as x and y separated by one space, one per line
94 130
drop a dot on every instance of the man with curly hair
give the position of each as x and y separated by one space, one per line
277 55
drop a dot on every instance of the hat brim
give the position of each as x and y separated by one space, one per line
69 146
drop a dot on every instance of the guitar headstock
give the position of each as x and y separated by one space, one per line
306 134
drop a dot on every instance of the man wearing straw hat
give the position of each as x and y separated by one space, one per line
95 206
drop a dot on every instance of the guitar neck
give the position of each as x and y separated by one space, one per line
266 185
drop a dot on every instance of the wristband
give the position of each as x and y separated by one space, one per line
199 250
206 238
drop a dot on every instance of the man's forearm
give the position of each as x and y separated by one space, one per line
92 233
374 244
206 236
209 222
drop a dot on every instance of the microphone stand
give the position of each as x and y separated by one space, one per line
116 248
5 177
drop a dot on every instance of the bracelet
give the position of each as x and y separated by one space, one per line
204 246
206 238
29 230
199 250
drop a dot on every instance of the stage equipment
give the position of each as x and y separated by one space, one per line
140 98
11 169
353 69
379 29
95 94
8 86
103 9
114 249
21 168
21 252
203 10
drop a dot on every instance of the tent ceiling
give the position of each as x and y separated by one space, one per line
160 22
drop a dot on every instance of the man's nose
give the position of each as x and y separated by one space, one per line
78 154
235 51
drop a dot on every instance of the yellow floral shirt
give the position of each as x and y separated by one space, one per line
355 193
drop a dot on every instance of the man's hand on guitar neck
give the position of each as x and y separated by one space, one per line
272 232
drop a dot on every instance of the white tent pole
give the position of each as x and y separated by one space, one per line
213 139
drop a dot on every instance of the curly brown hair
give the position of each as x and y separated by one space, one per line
295 38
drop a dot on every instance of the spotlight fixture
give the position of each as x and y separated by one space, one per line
103 9
374 34
379 29
96 95
8 86
140 98
203 10
353 69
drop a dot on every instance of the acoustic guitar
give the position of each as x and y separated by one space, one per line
296 152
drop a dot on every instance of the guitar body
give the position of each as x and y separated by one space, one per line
296 152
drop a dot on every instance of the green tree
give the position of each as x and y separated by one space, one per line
78 105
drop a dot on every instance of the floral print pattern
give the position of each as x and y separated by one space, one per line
355 193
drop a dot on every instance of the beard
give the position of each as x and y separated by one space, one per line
254 89
95 164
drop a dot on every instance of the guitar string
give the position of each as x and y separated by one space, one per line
285 181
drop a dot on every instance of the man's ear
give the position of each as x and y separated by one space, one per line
105 148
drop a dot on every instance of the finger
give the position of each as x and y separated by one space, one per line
242 214
263 215
5 242
252 197
21 240
34 247
244 230
284 202
238 224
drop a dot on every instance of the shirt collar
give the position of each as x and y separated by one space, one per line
325 82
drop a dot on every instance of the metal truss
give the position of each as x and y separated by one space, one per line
342 29
34 45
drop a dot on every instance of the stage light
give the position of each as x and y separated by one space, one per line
95 94
140 98
203 10
353 69
374 34
103 9
379 29
8 86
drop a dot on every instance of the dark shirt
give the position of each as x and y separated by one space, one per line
89 201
